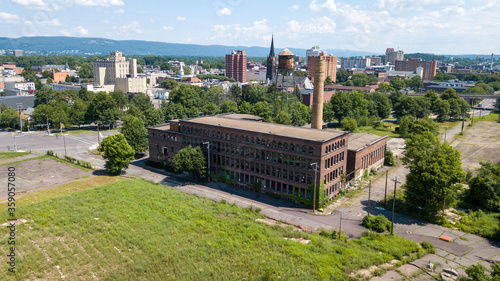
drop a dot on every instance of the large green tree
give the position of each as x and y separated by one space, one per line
103 109
191 160
135 133
485 187
435 169
117 152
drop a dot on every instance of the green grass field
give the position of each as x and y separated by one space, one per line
6 155
389 130
136 230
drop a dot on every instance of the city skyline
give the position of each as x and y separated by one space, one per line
440 27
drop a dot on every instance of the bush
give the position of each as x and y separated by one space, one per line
429 247
377 223
389 158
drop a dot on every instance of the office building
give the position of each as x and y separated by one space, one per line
427 72
391 56
313 52
121 73
330 66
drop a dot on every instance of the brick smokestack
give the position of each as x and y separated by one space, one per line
319 84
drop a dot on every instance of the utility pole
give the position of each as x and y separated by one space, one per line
19 106
385 193
208 148
64 139
340 228
48 130
394 204
369 196
315 165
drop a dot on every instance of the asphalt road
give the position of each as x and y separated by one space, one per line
41 141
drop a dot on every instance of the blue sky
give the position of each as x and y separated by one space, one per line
430 26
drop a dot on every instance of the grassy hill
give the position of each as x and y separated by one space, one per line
132 229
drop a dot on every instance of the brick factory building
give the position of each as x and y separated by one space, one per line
236 66
364 152
428 70
266 157
253 154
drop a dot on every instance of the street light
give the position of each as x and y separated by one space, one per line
315 167
395 180
208 148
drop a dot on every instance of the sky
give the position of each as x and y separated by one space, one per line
427 26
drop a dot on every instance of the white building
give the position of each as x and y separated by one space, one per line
121 73
313 52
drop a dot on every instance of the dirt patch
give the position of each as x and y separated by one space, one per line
479 143
39 174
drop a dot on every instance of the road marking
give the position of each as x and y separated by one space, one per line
81 140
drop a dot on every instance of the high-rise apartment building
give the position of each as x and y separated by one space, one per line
391 56
330 66
428 67
360 62
236 66
121 73
313 52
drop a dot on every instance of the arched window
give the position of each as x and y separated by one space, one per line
218 135
292 147
257 141
297 148
247 139
252 140
303 149
311 150
274 144
280 145
285 146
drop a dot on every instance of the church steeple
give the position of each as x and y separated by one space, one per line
271 62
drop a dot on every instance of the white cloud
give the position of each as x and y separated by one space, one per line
120 11
224 12
294 7
257 30
328 5
181 18
51 5
79 30
323 25
53 22
9 18
133 27
167 28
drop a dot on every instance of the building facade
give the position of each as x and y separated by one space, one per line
428 67
236 66
365 152
392 56
313 52
252 154
121 73
361 62
330 66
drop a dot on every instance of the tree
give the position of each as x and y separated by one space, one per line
169 84
8 117
349 124
46 74
385 88
135 133
76 112
405 106
416 83
300 73
235 91
103 109
485 187
450 94
422 109
68 79
435 168
140 70
405 125
191 160
442 109
214 95
187 70
229 106
397 83
120 98
210 109
245 108
118 153
86 71
153 116
283 118
142 102
342 75
328 80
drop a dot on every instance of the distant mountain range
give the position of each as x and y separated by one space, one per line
100 46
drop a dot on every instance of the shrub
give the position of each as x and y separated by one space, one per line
377 223
389 158
429 247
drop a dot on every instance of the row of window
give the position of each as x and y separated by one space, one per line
163 136
373 157
335 174
250 140
334 146
339 157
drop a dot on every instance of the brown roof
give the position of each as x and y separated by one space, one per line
244 124
286 52
360 140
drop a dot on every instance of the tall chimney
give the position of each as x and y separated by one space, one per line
319 84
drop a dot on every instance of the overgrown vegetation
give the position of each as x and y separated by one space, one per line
134 229
6 155
378 223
